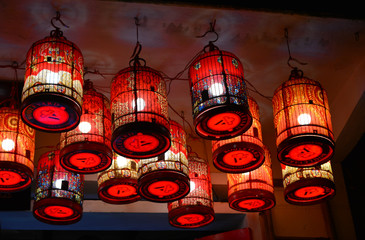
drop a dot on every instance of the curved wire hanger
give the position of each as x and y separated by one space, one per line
290 56
57 32
135 59
211 30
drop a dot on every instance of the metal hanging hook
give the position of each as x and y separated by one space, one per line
211 30
57 32
286 34
135 59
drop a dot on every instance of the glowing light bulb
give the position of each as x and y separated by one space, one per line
84 127
52 77
58 183
192 186
121 162
8 144
140 104
216 89
304 119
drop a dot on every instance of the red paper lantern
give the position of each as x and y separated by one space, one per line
139 106
252 191
196 209
119 183
302 121
59 193
52 92
309 185
17 143
87 148
219 97
243 153
166 177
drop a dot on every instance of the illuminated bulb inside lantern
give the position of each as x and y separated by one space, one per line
84 127
216 89
8 144
58 183
140 104
304 119
121 162
52 77
192 186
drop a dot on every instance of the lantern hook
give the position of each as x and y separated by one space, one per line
135 56
290 57
211 30
57 32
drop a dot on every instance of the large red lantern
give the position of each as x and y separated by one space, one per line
242 153
17 143
87 148
196 209
52 92
166 178
309 185
219 96
252 191
139 108
59 193
302 121
119 183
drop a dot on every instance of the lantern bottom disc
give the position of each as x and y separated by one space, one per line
57 211
251 200
141 140
163 185
14 176
223 122
191 216
305 150
238 157
51 112
86 157
309 191
119 191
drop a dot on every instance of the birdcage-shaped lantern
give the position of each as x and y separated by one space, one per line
243 153
87 148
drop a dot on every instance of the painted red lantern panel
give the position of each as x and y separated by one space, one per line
119 183
252 191
309 185
219 96
302 121
196 209
59 193
17 144
243 153
140 122
52 92
87 148
166 178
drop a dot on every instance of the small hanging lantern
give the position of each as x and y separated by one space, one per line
196 209
140 123
166 177
86 149
59 193
119 183
17 144
302 121
309 185
252 191
243 153
52 92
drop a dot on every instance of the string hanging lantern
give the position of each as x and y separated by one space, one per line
59 193
196 209
252 191
243 153
308 185
166 177
52 92
119 183
87 148
140 124
218 91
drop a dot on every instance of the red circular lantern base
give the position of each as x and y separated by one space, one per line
305 151
14 177
238 157
51 112
57 211
86 157
191 216
141 140
309 191
223 122
163 186
119 191
251 200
